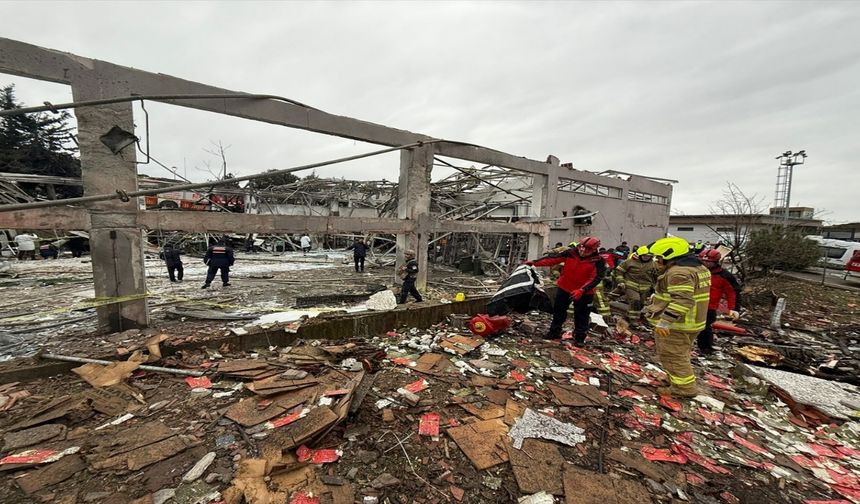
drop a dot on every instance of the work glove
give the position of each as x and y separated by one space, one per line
661 329
576 295
734 315
621 286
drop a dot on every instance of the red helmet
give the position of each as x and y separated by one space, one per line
588 245
710 255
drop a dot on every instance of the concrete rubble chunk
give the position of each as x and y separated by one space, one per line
200 467
828 396
384 480
382 301
535 425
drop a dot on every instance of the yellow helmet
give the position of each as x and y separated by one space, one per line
669 248
572 244
643 250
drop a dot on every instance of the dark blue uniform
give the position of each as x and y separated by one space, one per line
359 252
173 263
48 250
218 257
411 271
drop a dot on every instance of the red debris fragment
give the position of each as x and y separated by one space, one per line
629 393
392 334
529 388
649 343
516 375
728 497
653 419
670 404
635 339
848 452
806 462
838 501
703 461
749 445
304 498
695 479
567 335
201 382
264 403
662 455
685 437
32 457
457 492
305 454
738 420
851 493
824 451
429 424
286 420
710 416
403 361
416 386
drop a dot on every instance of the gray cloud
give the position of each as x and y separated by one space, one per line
701 92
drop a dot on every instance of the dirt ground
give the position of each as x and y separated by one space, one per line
741 445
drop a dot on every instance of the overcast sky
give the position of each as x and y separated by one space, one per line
704 93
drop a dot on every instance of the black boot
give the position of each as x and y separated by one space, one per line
554 333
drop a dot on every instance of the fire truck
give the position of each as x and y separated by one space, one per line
232 200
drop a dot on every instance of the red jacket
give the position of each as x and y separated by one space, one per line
579 273
724 284
609 259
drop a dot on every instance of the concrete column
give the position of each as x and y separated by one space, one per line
413 203
116 244
544 204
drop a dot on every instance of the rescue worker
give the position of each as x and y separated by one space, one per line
173 261
218 257
305 242
636 277
555 271
359 252
678 311
723 285
26 246
409 273
49 250
583 271
623 249
601 301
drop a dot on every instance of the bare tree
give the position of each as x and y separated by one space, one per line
218 150
737 216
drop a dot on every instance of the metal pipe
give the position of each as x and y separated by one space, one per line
123 99
85 360
201 185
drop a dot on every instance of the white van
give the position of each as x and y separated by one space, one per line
836 252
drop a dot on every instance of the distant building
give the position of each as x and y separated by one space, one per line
846 232
716 228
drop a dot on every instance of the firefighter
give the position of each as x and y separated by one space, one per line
636 277
409 273
555 271
583 271
173 262
218 257
678 311
723 285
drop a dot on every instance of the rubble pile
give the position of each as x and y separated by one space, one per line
429 416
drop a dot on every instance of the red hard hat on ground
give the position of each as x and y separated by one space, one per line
710 255
589 244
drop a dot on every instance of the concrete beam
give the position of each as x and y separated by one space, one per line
18 58
46 218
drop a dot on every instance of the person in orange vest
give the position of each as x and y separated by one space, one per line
723 285
218 257
583 271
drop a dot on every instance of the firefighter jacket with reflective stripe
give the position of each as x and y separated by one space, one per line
219 256
578 273
637 275
682 295
724 284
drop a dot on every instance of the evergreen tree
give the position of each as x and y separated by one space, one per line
38 143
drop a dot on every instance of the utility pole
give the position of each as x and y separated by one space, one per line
787 162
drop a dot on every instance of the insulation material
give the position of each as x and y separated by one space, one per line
828 396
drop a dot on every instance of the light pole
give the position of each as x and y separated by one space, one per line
787 162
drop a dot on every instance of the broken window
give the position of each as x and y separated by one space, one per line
647 197
575 186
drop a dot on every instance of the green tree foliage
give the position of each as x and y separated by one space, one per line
272 180
774 248
39 144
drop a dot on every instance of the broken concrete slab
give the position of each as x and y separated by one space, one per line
830 397
578 395
537 467
582 486
482 442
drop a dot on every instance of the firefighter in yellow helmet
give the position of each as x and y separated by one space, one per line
636 277
678 311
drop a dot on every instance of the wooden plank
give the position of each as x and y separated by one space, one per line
538 466
51 474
